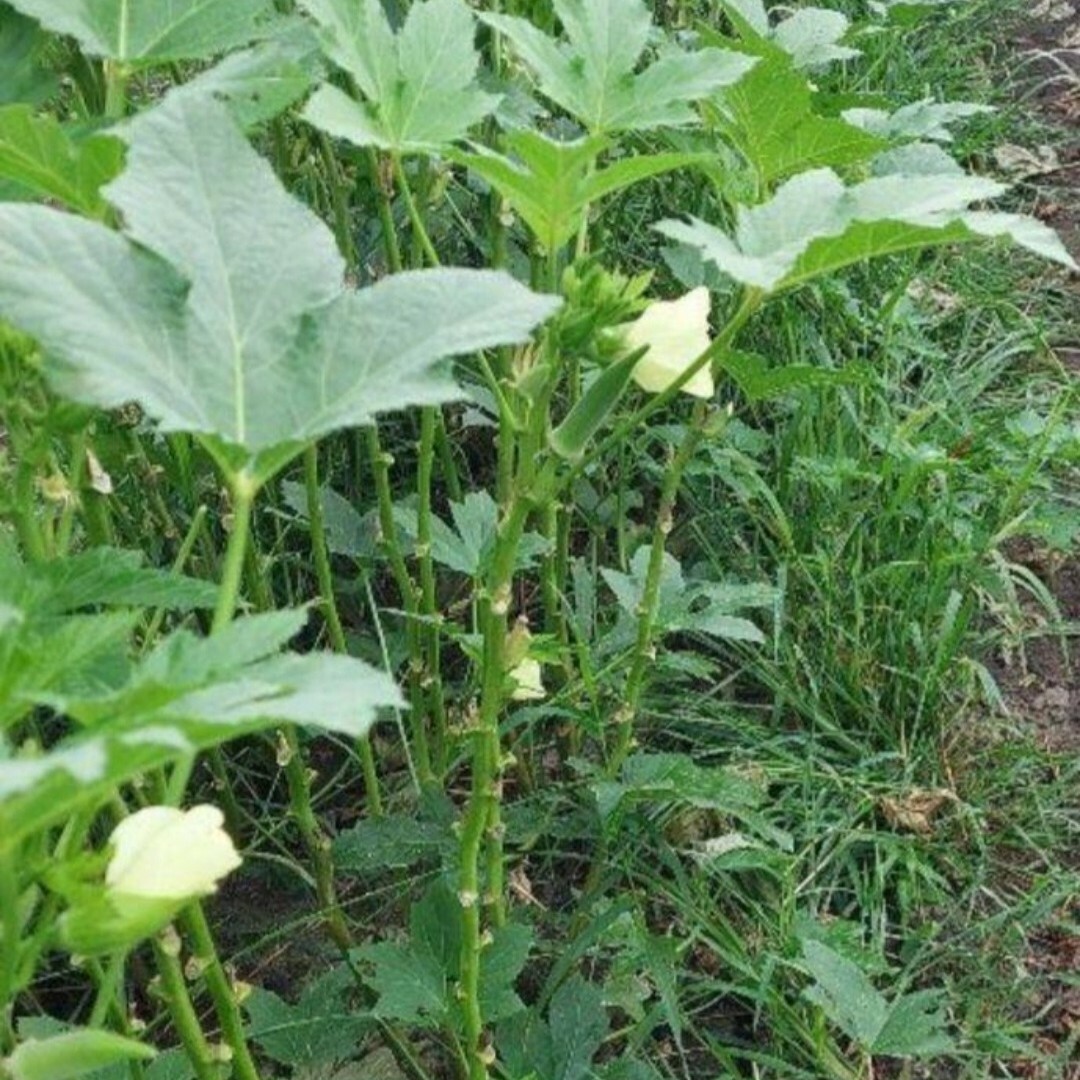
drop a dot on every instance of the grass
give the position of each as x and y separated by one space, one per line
855 778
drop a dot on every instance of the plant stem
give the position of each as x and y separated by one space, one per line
321 554
430 678
650 600
381 182
380 467
483 814
10 923
430 630
315 840
183 1013
243 492
416 219
221 991
116 82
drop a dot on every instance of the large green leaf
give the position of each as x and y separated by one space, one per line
223 309
258 83
151 30
811 36
814 225
920 120
50 644
324 1027
415 979
592 75
551 184
23 77
911 1025
769 117
38 155
189 694
419 84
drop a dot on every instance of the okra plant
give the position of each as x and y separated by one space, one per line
243 243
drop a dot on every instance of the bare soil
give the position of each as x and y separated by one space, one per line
1041 682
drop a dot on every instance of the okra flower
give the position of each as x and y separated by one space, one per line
163 853
676 333
528 681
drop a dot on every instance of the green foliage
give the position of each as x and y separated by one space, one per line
252 353
592 74
920 120
37 155
419 84
151 31
552 184
324 1027
468 545
188 694
73 1053
677 778
683 605
911 1025
415 979
50 644
815 225
258 83
23 77
678 677
770 118
811 36
561 1047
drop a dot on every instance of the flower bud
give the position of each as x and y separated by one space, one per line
675 333
161 852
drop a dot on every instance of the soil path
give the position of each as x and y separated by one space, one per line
1043 685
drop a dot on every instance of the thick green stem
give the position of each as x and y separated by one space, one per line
429 677
321 554
221 991
430 630
380 468
483 814
9 954
27 526
381 181
650 600
116 82
339 205
184 1017
416 219
315 840
243 491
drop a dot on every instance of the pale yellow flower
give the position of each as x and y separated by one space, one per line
161 852
528 681
676 333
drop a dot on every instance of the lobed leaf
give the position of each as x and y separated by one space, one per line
814 225
552 183
151 30
419 84
592 74
223 310
323 1028
188 695
37 154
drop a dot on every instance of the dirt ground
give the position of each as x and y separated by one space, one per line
1042 683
